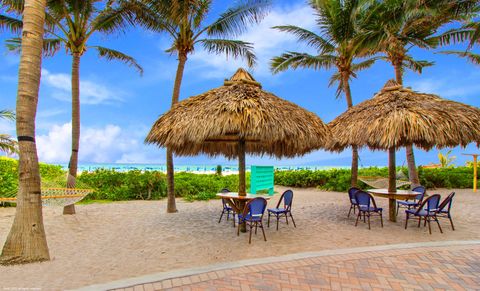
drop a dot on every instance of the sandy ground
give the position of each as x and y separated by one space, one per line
105 242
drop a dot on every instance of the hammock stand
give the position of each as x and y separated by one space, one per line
57 196
381 182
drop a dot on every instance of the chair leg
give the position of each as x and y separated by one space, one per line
263 231
406 220
358 216
286 217
228 215
221 215
351 206
451 222
425 222
381 218
233 219
428 221
398 207
364 217
438 223
268 222
278 218
238 228
291 216
256 225
419 220
250 237
368 220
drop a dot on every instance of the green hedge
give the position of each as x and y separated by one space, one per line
9 175
339 179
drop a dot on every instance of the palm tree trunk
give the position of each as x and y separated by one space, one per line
171 206
354 167
26 241
73 164
412 169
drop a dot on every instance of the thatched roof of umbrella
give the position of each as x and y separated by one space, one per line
212 123
398 116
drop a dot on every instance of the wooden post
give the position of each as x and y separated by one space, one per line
392 187
241 178
475 173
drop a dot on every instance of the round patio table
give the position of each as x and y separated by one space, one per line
392 199
238 202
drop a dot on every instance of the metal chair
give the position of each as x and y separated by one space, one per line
416 201
353 202
253 215
367 206
287 198
226 208
427 210
444 209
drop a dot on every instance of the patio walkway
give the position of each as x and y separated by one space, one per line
419 266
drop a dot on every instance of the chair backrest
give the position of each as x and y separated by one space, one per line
351 194
422 191
447 202
287 198
224 202
365 199
430 204
256 207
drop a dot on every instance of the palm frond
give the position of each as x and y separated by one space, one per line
416 66
366 64
472 57
454 36
110 54
311 38
50 45
234 48
235 20
7 114
15 6
12 24
296 60
8 144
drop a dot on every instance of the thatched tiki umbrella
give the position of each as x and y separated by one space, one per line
236 118
398 116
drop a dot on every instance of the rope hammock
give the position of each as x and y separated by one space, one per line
381 182
57 196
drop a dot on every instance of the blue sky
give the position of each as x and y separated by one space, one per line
119 107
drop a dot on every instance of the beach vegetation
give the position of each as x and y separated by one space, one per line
186 23
8 144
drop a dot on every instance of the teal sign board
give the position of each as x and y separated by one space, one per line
261 178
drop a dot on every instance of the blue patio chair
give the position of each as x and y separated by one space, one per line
226 208
427 210
444 208
287 198
253 215
416 201
367 206
353 202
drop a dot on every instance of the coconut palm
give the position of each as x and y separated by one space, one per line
185 22
72 24
26 241
7 143
337 47
469 32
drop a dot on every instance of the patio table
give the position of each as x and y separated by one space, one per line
392 199
238 202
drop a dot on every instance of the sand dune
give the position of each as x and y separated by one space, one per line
105 242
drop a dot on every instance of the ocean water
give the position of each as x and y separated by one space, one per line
89 167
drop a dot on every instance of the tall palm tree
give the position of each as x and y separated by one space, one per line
7 143
71 24
185 22
396 26
26 241
337 47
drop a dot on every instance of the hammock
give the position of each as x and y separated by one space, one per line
381 182
57 196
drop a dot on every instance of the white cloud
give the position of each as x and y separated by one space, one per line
455 86
91 92
99 145
267 42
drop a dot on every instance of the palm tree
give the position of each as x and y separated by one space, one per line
26 241
337 47
469 32
185 23
7 143
73 23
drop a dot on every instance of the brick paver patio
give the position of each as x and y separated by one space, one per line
454 267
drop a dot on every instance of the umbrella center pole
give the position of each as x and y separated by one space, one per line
241 179
392 187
